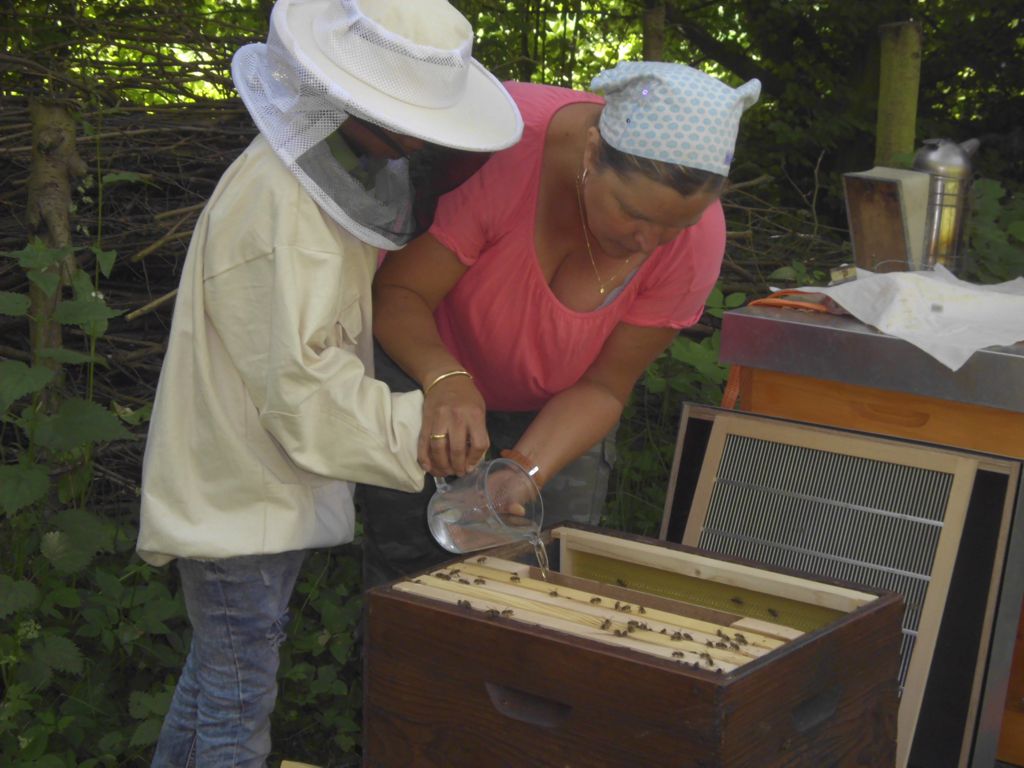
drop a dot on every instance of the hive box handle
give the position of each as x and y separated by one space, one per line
816 709
527 707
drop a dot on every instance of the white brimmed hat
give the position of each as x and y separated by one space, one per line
402 64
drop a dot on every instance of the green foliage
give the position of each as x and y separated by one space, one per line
116 46
688 371
798 273
318 713
995 237
91 639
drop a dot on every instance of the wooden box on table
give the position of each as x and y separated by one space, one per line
632 653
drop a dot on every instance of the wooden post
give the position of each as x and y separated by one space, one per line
654 30
898 86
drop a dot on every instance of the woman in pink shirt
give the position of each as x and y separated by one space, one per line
553 277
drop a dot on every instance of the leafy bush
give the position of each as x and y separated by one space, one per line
688 371
92 638
995 237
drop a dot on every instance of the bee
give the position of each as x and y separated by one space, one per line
631 627
773 613
464 604
443 576
721 645
687 636
621 633
417 581
625 608
736 600
722 634
620 582
595 600
740 638
492 612
463 581
478 580
734 646
707 659
677 636
677 654
606 624
507 612
453 572
553 593
641 609
514 578
664 631
481 559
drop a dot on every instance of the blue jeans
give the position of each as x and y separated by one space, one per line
220 714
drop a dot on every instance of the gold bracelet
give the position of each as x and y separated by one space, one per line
443 376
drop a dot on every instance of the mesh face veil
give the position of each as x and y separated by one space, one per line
325 60
295 113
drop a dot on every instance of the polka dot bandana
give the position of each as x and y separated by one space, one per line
673 113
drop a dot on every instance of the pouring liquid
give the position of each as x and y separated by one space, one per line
541 553
459 532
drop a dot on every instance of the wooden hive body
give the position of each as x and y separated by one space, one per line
479 669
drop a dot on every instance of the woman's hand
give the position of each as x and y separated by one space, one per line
454 436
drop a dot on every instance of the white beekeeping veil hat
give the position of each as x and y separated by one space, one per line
405 65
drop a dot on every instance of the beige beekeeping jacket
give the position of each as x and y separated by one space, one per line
265 411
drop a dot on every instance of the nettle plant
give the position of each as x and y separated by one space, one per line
71 606
92 638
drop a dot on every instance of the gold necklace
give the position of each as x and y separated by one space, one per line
586 237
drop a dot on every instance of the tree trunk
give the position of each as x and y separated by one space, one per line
654 30
55 165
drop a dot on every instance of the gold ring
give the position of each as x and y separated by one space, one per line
442 436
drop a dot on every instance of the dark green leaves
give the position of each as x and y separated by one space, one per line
77 423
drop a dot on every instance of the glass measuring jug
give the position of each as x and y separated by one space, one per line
497 503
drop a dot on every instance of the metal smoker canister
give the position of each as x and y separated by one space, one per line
949 165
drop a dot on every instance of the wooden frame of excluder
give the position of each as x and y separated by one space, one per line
981 494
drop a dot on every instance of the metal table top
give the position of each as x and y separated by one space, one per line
841 348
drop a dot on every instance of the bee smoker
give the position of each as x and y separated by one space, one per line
949 165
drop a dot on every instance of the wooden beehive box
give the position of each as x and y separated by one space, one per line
633 653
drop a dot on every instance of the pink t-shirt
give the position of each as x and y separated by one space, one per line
501 320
